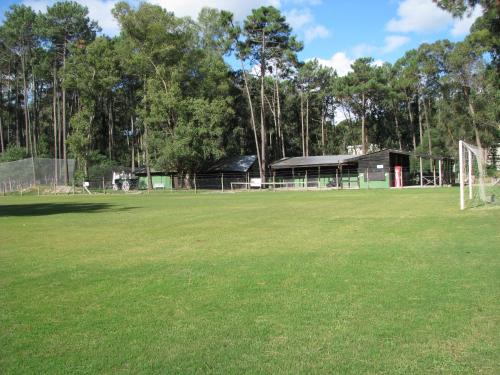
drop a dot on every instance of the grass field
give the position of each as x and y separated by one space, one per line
344 282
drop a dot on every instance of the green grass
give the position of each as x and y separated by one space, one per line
293 282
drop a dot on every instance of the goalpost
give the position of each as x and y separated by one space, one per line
472 164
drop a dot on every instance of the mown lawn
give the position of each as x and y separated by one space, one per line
343 282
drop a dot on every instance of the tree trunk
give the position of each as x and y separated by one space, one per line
133 143
472 113
280 130
420 126
65 153
54 118
18 136
303 136
27 132
35 114
412 126
307 125
263 130
252 117
398 133
110 130
323 128
2 147
146 157
363 124
427 122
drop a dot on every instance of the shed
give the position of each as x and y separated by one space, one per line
372 170
229 171
160 179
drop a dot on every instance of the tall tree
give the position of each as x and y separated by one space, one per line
267 37
65 25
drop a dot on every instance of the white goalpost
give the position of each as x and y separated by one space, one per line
475 190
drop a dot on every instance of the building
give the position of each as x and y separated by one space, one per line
378 169
227 171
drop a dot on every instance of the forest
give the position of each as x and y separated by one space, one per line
162 94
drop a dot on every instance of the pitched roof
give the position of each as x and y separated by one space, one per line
234 164
311 161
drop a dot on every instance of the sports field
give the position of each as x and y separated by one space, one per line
344 282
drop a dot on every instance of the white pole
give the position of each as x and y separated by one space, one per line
469 154
440 162
421 173
461 173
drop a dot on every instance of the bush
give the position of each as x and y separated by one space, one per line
13 153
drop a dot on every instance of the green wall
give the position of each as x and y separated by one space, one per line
373 184
165 180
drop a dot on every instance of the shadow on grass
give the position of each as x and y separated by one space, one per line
42 209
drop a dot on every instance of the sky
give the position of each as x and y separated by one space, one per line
335 32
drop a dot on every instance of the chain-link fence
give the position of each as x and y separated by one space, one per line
23 175
27 174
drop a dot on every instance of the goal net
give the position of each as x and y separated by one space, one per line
476 188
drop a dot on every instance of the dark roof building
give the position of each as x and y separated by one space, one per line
375 169
311 161
234 164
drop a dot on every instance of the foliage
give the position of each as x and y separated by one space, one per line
162 93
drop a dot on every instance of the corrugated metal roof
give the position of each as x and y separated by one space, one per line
311 161
234 164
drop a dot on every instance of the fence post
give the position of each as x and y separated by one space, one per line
367 179
222 181
195 188
73 186
21 189
103 185
421 172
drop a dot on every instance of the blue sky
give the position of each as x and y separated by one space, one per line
336 32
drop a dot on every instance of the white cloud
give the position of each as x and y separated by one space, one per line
191 8
299 18
99 10
339 61
363 50
461 26
393 42
318 31
422 16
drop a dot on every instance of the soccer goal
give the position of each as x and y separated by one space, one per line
476 189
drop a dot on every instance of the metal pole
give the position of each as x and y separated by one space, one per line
103 185
461 173
195 188
222 181
421 173
440 162
434 171
469 154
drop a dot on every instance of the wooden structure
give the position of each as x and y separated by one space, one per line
373 170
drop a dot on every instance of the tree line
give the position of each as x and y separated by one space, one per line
162 95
